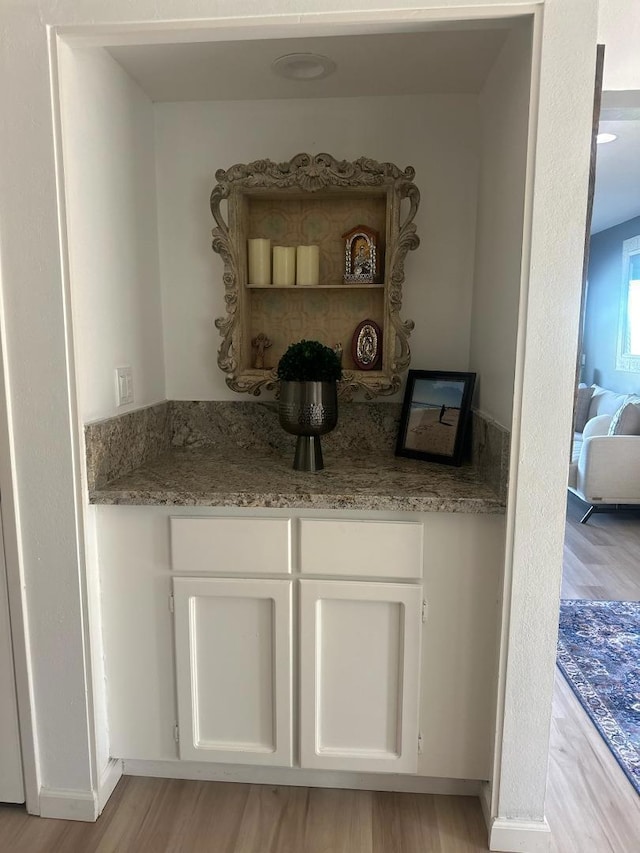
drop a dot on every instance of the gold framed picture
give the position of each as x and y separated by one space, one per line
361 255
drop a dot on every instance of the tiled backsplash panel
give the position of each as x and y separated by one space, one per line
116 446
363 428
490 448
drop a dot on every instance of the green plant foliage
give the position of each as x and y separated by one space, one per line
309 361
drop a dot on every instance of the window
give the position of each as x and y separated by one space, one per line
628 355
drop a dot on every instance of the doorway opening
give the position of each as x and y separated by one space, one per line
595 742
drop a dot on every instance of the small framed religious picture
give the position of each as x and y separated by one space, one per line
361 259
435 415
366 345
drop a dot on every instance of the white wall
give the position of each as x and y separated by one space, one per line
109 169
46 568
108 150
504 103
435 134
545 371
619 31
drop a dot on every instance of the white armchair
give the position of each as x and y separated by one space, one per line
605 469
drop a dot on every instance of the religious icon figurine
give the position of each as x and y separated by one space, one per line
366 345
260 343
361 255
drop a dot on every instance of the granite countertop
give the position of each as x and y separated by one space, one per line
209 476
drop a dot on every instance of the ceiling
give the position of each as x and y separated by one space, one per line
617 195
436 61
378 64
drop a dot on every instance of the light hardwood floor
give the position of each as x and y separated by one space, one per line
162 816
601 557
591 806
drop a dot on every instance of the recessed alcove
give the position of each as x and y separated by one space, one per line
144 129
106 262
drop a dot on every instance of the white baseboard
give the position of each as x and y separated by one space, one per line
297 777
519 836
68 805
81 805
111 775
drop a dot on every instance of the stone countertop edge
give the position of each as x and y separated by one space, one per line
206 478
113 496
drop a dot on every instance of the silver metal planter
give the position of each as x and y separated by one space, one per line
308 410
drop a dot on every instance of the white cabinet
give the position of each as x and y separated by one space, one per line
461 580
359 675
233 660
357 643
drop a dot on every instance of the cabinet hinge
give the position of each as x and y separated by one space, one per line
172 603
176 733
420 744
425 610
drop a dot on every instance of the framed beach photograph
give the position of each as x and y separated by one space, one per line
435 415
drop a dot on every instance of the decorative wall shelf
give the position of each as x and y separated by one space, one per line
313 199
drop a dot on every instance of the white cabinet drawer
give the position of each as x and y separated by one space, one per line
231 545
389 549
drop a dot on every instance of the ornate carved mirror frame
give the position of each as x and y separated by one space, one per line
324 175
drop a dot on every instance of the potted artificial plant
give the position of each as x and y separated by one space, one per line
308 406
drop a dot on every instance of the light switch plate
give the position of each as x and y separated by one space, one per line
124 385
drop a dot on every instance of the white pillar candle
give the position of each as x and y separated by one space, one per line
259 261
308 265
284 265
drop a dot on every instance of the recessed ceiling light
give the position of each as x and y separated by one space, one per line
601 138
304 66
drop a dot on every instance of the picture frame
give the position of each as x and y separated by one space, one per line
366 345
361 260
435 415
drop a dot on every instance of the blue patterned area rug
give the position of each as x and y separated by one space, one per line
599 655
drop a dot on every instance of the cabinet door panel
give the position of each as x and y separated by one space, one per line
233 658
360 664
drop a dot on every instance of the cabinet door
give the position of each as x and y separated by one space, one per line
233 660
360 669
